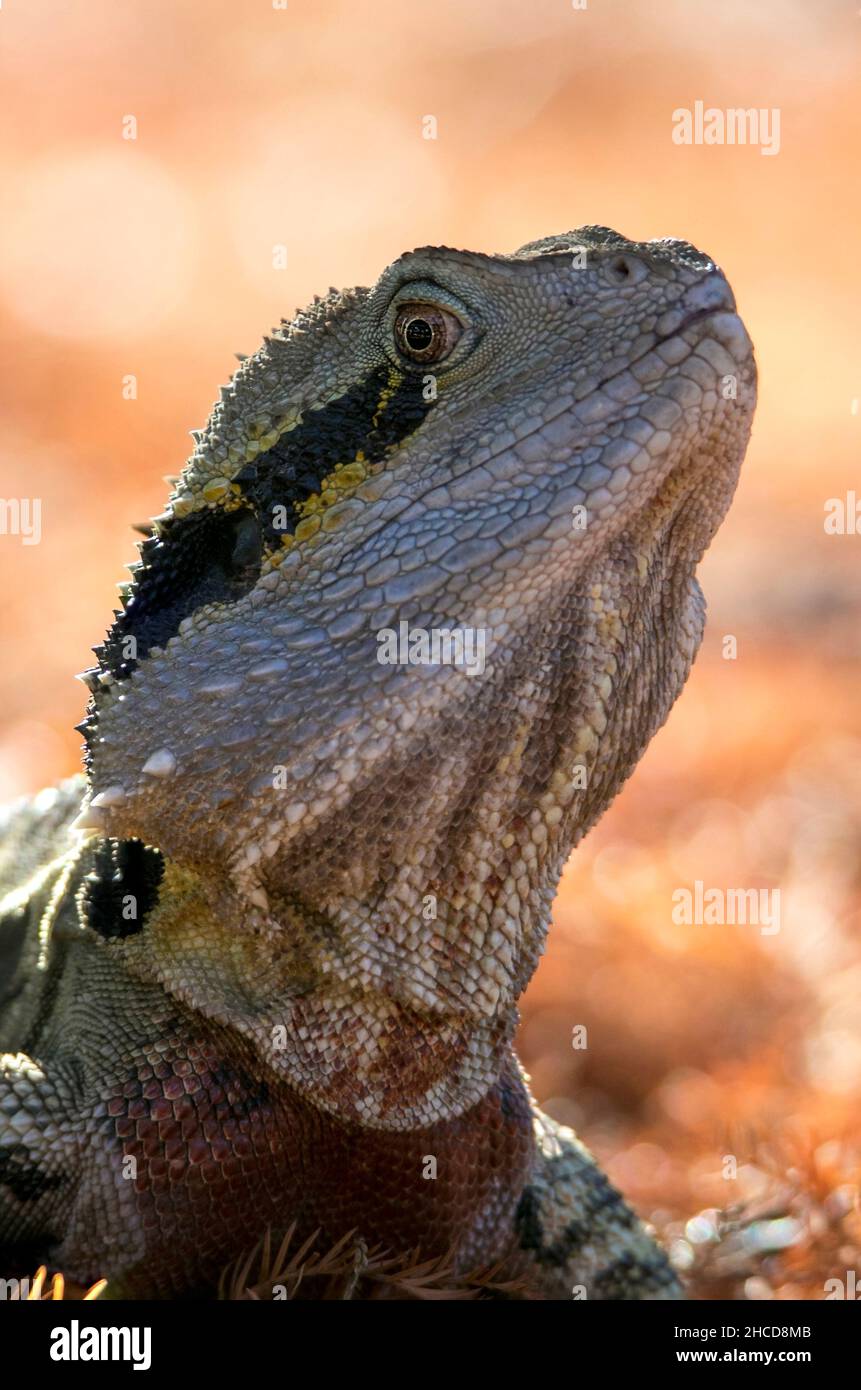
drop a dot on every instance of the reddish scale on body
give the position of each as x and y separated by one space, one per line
219 1158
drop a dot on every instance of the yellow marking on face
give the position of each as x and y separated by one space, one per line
308 526
325 510
263 434
391 386
346 477
216 489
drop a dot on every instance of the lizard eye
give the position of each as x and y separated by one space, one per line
425 333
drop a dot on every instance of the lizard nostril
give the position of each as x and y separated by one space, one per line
207 557
625 269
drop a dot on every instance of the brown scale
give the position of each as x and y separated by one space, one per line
221 1157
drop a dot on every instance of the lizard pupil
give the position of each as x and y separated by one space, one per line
419 334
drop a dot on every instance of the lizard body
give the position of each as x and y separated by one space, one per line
273 971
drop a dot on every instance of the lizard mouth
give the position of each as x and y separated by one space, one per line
699 316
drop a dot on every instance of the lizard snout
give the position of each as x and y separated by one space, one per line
709 295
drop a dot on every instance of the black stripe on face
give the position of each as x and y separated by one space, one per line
25 1179
121 888
214 555
211 556
365 423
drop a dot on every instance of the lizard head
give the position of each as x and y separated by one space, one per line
421 596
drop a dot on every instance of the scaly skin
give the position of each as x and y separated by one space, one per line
309 988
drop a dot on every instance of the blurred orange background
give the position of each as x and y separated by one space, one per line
302 127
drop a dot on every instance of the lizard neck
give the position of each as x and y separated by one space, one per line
357 1053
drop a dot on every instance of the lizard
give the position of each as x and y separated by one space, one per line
262 965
